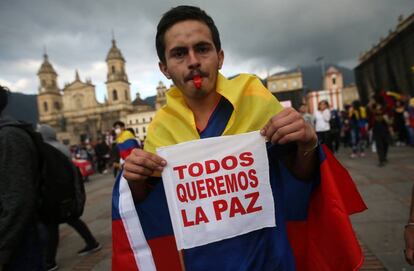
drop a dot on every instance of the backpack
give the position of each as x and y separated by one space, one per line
61 191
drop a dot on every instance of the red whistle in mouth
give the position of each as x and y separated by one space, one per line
197 81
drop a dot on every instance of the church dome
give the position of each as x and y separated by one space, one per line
46 67
114 52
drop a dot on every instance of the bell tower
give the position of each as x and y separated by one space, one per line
49 99
117 85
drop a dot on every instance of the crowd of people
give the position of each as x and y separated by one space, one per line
383 122
103 154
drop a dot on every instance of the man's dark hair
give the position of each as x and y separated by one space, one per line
119 123
179 14
4 97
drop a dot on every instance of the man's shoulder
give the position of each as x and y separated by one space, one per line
12 132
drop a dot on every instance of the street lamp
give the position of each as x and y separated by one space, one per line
321 60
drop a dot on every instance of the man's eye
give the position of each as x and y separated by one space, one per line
178 54
203 49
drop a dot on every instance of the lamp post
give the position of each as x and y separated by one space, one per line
321 60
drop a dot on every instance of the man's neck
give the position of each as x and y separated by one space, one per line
202 108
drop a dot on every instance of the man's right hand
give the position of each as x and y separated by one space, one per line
140 165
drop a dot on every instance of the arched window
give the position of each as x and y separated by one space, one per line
113 69
126 95
45 106
334 81
114 95
143 129
57 105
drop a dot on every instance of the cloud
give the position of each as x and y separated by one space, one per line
267 35
22 85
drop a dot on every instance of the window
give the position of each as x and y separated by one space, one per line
150 118
126 95
137 130
113 69
130 121
334 81
273 86
143 120
57 105
45 107
136 121
143 129
295 83
284 85
43 83
114 95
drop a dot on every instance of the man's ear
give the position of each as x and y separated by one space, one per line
164 69
220 58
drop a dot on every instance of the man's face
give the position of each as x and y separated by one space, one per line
190 51
118 129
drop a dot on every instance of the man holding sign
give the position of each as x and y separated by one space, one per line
204 104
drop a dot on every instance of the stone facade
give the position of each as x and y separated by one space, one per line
333 84
285 81
74 111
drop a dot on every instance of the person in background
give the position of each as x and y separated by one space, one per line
358 124
21 243
400 123
91 245
125 143
380 132
102 151
336 126
322 126
309 118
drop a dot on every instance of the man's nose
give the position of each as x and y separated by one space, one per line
193 60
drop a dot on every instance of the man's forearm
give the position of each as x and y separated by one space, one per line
138 190
303 164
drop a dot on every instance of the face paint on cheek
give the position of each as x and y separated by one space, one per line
197 81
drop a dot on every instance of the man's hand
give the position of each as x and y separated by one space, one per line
140 165
289 126
409 244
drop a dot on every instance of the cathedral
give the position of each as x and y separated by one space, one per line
74 112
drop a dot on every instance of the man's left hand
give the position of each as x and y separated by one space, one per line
289 126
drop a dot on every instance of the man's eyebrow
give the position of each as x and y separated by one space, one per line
178 48
203 43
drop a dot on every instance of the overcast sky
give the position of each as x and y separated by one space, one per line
262 36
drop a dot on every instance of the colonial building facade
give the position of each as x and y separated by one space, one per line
74 112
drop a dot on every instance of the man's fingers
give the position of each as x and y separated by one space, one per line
286 130
132 168
291 137
268 130
277 122
146 159
139 165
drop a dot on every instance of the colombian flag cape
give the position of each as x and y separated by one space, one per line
125 143
324 240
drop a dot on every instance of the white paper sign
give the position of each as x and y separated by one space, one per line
217 188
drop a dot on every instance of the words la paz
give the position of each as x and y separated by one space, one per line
223 208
